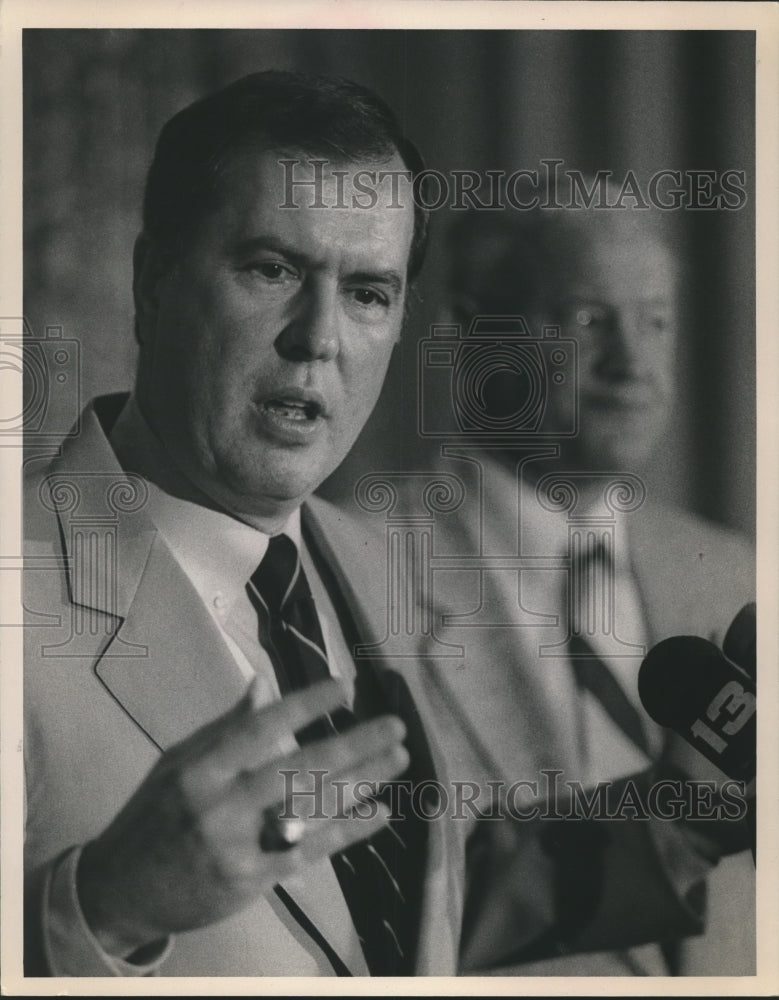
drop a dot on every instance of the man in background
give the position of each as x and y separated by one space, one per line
551 443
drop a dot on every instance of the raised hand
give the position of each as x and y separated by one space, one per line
185 850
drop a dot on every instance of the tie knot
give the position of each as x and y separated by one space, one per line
276 577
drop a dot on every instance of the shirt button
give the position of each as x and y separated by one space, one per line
220 601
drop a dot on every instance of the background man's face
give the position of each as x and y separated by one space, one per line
273 333
615 296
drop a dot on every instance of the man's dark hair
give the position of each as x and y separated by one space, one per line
327 117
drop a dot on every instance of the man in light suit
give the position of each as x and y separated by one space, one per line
517 707
158 746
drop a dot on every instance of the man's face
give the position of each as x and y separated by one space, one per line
615 296
270 337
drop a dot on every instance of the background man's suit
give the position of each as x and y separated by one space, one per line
503 713
96 722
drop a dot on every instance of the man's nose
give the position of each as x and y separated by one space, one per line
312 331
621 354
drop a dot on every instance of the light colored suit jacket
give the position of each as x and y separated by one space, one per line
504 714
119 666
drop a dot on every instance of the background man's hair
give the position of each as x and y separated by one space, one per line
320 116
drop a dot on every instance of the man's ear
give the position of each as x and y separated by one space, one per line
149 267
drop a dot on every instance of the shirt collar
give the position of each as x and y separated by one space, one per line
217 551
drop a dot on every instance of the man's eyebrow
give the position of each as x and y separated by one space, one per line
256 243
390 278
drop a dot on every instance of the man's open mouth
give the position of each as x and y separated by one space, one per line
292 409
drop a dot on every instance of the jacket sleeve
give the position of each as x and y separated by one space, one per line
57 938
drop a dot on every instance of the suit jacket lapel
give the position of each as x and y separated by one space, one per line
188 677
513 706
346 550
157 650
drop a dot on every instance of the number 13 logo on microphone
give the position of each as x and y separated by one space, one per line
733 704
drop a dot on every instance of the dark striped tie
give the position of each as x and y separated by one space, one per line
381 878
590 670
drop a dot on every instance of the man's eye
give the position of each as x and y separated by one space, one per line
271 270
369 297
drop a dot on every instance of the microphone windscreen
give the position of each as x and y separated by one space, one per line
674 674
687 684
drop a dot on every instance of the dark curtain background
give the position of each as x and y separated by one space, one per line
94 101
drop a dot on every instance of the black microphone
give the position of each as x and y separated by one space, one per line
687 684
